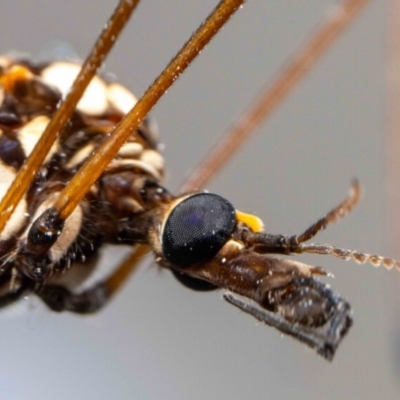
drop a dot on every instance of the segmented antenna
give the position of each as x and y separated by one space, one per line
333 216
283 244
345 254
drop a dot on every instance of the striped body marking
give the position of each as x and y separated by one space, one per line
29 95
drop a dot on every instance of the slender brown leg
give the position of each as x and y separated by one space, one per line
273 94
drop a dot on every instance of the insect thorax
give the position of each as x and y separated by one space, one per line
29 95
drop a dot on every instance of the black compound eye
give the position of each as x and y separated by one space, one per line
197 228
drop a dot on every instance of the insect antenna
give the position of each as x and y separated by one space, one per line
283 244
334 215
94 60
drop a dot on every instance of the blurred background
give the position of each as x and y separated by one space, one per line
158 340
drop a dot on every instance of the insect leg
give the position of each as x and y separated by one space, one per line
59 298
272 95
13 287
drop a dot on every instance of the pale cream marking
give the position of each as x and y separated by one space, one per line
94 190
154 158
30 133
1 94
70 232
5 62
62 76
233 245
120 97
81 155
303 269
155 240
14 274
130 164
18 218
130 150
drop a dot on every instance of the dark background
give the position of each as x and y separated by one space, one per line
157 340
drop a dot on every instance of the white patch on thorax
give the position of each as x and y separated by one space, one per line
18 218
129 164
120 97
62 75
81 155
30 134
70 232
130 150
154 158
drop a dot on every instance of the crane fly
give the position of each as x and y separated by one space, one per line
87 170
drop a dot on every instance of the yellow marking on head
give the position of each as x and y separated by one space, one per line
252 221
